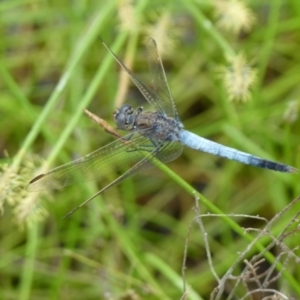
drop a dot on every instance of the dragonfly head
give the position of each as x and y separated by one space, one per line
125 117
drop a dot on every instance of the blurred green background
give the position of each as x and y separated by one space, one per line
233 69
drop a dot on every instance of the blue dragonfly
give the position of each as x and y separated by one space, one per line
157 134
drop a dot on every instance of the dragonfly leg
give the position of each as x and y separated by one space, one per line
128 137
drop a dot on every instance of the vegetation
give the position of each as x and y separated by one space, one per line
201 227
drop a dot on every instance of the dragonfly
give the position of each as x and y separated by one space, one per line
152 135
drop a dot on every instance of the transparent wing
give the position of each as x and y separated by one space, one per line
159 81
164 152
106 162
159 97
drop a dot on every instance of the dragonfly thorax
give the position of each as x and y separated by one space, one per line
154 125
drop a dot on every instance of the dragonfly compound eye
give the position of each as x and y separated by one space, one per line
124 117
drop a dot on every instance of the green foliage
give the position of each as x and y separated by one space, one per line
235 80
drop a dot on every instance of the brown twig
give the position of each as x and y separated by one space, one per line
109 129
